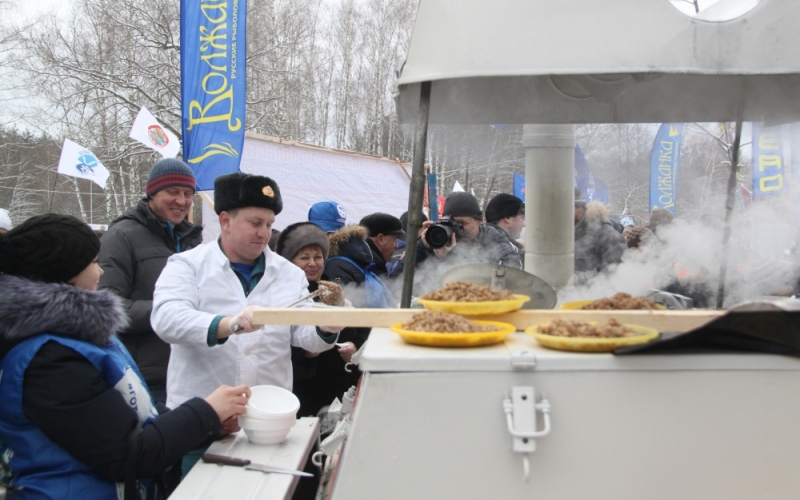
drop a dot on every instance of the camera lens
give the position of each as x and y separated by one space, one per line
438 235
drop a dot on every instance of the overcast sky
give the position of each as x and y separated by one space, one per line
32 8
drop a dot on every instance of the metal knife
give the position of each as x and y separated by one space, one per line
307 297
213 458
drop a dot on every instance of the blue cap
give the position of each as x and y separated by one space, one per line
328 215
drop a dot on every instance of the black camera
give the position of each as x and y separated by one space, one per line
439 234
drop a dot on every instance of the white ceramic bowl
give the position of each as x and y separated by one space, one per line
266 425
266 437
252 414
272 402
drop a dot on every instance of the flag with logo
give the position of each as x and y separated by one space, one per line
213 87
768 171
152 134
665 162
77 161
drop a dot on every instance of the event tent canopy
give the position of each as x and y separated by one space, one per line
610 61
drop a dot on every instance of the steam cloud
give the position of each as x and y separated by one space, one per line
759 261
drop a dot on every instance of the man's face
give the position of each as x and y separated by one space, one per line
386 245
245 233
3 231
172 203
513 225
472 226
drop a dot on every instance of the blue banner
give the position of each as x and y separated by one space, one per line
768 173
433 199
213 86
593 189
519 186
665 162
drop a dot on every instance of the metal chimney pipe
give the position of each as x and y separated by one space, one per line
549 202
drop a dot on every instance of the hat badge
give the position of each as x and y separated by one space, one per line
268 191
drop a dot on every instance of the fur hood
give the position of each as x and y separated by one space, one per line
29 308
343 235
596 213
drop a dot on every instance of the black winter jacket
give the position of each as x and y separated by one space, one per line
319 379
133 252
349 242
377 259
67 398
597 245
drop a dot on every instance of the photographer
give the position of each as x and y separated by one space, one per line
462 237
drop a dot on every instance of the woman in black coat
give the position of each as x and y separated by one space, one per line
321 378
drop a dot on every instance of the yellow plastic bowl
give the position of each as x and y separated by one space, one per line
588 344
577 304
456 339
476 308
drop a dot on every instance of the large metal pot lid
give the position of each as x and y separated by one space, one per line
542 295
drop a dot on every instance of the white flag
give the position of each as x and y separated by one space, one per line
149 132
78 161
457 188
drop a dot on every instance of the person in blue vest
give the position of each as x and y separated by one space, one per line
77 420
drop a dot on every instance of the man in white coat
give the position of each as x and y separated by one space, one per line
203 300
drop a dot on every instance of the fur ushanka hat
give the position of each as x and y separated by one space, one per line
240 190
300 235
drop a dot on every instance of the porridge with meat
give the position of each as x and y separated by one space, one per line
461 291
441 322
622 301
611 329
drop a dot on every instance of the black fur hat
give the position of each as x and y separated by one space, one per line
240 190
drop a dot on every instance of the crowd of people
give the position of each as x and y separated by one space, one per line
123 357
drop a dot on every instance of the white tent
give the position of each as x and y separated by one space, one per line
610 61
362 184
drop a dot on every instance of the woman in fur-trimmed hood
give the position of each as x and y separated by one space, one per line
74 401
597 244
349 242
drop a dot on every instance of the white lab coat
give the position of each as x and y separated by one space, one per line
199 284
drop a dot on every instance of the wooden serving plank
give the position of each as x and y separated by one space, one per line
663 321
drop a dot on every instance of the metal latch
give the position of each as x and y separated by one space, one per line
520 409
499 278
523 360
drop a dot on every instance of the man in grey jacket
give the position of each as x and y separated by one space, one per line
597 244
506 213
133 253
